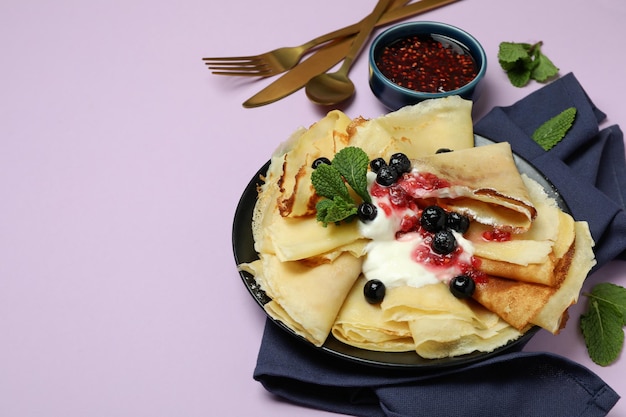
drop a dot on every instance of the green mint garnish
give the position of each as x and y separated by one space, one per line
352 162
551 132
603 323
523 62
335 210
329 183
348 166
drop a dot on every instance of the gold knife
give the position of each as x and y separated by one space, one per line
328 56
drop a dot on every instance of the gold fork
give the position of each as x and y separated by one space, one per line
283 59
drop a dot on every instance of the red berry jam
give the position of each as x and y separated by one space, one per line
427 63
497 235
405 198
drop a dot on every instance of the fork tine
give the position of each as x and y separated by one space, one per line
237 67
234 59
257 67
256 73
260 69
234 65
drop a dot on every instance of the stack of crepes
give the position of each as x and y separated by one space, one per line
313 274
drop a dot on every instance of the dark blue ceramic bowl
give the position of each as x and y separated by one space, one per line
394 96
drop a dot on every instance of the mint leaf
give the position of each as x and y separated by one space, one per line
543 69
603 323
611 294
352 163
329 183
524 62
519 76
603 333
554 130
348 166
509 53
323 207
335 210
514 58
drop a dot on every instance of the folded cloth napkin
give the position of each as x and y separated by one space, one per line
587 167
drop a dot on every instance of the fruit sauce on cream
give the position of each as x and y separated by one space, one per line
400 252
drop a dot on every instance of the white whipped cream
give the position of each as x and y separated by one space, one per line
391 260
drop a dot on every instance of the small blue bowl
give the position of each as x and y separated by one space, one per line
394 96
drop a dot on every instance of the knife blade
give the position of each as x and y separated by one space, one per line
328 56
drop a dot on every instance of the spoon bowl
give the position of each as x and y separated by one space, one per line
333 88
330 88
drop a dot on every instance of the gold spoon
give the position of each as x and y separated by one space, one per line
335 87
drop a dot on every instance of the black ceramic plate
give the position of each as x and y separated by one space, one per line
243 248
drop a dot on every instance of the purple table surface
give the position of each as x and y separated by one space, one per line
122 160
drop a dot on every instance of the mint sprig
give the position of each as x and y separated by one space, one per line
603 323
554 130
349 166
523 62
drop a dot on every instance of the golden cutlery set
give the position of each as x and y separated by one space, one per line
321 87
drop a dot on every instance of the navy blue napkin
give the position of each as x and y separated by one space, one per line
517 384
587 168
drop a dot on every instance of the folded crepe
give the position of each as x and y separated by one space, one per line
306 299
363 325
522 304
483 183
416 130
536 255
428 320
284 212
443 325
325 137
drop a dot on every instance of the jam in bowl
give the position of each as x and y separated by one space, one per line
415 61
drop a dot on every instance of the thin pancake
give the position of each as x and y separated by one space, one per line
484 183
551 316
324 138
307 299
515 302
522 303
362 324
416 130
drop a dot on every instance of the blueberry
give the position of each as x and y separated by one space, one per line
366 211
443 150
433 218
400 162
386 175
444 242
374 291
376 164
319 161
462 286
458 222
